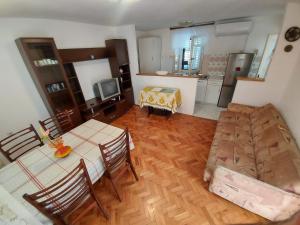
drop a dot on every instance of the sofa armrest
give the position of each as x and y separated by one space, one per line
234 107
254 195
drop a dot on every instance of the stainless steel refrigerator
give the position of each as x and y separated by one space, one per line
238 65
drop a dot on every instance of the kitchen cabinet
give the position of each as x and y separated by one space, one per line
213 91
201 90
149 54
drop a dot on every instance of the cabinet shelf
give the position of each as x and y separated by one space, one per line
47 66
58 92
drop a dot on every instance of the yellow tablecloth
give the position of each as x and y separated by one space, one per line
161 97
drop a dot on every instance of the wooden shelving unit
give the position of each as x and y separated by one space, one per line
44 64
54 74
120 67
74 83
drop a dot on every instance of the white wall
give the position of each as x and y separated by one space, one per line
290 102
213 45
89 73
262 26
21 104
280 70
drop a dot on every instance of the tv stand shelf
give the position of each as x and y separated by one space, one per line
105 111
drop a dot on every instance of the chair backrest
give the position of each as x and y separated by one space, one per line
116 152
61 198
58 124
18 143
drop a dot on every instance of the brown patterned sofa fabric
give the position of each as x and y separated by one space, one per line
256 142
234 107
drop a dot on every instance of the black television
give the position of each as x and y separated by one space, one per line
107 88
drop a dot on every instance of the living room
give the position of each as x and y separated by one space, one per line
78 64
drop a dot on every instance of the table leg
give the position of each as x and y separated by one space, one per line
168 114
150 110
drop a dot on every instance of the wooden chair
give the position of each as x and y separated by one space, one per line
116 157
60 200
58 124
18 143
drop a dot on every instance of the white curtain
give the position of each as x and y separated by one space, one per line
180 37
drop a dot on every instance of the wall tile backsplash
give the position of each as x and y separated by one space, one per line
214 64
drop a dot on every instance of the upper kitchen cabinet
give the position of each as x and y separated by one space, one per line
45 67
118 55
149 54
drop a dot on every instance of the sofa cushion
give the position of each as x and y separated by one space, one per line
240 119
232 145
278 158
234 107
236 156
234 132
264 117
282 171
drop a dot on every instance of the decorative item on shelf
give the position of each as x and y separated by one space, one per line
45 62
61 150
55 87
121 70
292 34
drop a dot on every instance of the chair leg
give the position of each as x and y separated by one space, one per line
115 188
133 170
101 209
59 222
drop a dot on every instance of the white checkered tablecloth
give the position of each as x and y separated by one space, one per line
39 168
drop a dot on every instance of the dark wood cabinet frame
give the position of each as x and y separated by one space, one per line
106 111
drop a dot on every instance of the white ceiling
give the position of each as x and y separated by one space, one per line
146 14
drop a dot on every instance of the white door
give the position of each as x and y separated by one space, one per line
149 54
201 90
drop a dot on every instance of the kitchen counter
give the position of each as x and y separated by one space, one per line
251 79
200 77
169 75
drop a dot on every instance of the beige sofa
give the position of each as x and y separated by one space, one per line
254 162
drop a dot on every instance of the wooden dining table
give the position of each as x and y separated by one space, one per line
39 168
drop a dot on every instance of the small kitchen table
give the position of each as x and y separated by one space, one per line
161 98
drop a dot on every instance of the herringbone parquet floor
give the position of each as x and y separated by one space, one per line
169 157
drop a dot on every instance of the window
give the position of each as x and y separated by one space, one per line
196 55
186 55
192 54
